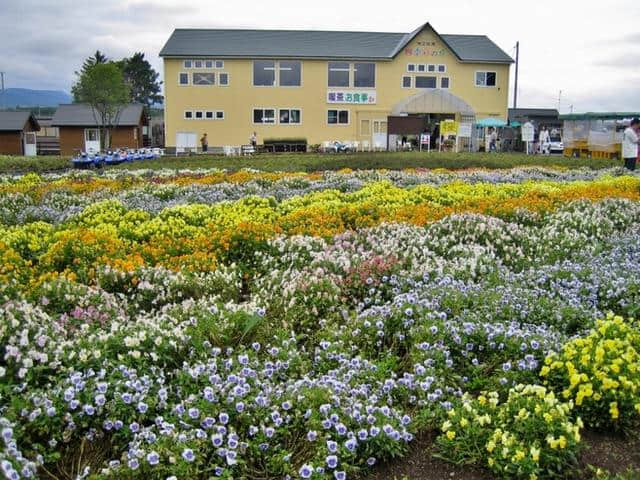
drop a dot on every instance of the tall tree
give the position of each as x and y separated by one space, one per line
141 79
102 87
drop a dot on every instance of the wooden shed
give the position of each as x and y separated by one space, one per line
17 133
79 130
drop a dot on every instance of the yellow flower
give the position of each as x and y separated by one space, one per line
519 455
463 422
491 446
451 434
562 441
544 371
535 454
491 461
613 410
446 425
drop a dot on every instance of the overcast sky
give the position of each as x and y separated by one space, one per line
589 49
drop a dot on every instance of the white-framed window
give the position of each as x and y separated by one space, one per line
219 115
289 73
431 67
338 74
271 73
486 79
411 67
188 114
223 79
201 78
338 117
219 63
290 116
364 75
208 115
442 68
198 114
422 67
406 81
264 73
444 82
187 64
183 78
208 64
264 115
197 64
425 82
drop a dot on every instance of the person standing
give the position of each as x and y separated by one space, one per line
204 141
544 140
493 140
630 144
254 140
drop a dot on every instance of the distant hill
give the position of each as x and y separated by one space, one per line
24 97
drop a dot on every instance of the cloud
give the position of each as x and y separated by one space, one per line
630 60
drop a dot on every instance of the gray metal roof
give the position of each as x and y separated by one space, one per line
476 48
81 115
15 121
318 44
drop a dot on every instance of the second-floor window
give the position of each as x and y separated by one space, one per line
364 75
204 78
340 74
289 73
485 79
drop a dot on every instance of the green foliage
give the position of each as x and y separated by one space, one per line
529 436
142 80
102 87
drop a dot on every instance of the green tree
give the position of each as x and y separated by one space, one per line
96 59
102 87
141 79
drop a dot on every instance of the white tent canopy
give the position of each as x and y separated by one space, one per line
433 101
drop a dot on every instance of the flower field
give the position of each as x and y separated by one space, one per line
204 324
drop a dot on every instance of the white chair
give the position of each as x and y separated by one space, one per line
355 145
366 147
227 150
377 146
326 146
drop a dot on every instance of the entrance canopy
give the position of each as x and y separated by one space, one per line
433 101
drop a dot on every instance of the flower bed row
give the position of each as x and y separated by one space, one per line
307 356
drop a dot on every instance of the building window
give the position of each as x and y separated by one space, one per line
264 73
219 63
444 82
442 68
183 78
411 67
338 117
425 82
219 115
187 64
485 79
431 68
208 115
290 116
422 67
365 127
208 64
264 115
338 74
406 82
290 73
197 64
199 115
223 79
204 78
364 75
188 115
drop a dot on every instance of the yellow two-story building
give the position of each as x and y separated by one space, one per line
326 85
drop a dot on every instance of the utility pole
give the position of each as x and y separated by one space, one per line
1 88
515 90
559 97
